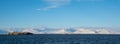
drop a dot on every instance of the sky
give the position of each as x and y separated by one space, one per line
59 13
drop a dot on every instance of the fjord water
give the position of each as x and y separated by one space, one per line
61 39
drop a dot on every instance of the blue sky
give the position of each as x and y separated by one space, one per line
59 13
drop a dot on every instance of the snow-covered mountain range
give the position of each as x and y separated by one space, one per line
44 30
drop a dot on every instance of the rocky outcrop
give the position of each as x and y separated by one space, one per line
20 33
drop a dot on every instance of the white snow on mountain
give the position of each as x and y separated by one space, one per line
102 31
58 31
69 31
32 31
44 30
84 31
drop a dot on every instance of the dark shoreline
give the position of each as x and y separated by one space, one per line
65 34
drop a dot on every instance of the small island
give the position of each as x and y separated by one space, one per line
20 33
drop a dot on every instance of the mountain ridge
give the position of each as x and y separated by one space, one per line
44 30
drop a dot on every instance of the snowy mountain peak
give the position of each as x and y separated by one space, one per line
43 30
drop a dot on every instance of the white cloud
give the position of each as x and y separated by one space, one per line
54 4
57 2
89 0
47 8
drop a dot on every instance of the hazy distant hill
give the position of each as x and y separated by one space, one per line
3 31
44 30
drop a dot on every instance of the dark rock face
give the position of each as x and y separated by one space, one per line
20 33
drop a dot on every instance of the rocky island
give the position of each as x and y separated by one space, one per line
20 33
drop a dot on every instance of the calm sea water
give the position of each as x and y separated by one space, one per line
61 39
